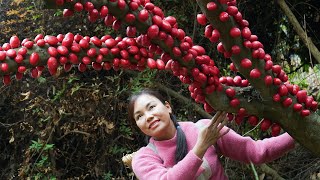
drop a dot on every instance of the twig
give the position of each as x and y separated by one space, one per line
256 177
265 168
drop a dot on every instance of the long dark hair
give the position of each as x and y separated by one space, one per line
182 148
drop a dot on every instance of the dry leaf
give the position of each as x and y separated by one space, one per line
26 96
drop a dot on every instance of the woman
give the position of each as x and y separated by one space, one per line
188 150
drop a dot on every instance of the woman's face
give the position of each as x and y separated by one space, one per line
153 117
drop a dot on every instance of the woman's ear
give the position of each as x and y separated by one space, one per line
167 104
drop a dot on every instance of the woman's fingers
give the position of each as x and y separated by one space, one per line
224 122
219 117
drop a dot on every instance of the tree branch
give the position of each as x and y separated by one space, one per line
297 27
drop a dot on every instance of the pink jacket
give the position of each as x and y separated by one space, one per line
156 161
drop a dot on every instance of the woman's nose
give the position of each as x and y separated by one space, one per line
149 116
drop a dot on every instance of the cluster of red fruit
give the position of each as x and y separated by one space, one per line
274 75
160 45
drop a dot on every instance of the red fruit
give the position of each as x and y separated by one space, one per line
28 44
151 63
309 101
18 59
158 11
234 102
121 4
153 31
4 67
283 90
232 10
62 50
246 33
211 6
302 96
160 64
235 49
230 116
268 80
210 89
52 51
22 69
305 113
230 92
41 42
88 6
246 63
92 52
34 58
199 49
14 42
215 35
82 67
11 53
275 129
110 43
237 80
149 6
143 15
239 119
255 73
202 20
297 107
51 40
244 83
253 120
247 44
224 16
277 81
6 79
235 32
276 97
133 6
208 108
78 7
233 67
67 13
52 63
63 60
314 105
35 73
3 55
19 76
59 2
268 65
276 69
265 124
242 112
287 102
220 48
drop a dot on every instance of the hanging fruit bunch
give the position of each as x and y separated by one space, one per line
262 95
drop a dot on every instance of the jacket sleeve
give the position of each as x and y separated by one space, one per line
148 165
247 150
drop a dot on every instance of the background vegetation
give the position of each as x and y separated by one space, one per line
74 126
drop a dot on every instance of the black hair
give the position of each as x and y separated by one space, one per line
182 148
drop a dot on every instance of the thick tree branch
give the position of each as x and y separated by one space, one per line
297 27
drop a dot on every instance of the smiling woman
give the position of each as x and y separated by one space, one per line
187 150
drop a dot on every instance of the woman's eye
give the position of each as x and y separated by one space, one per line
138 117
151 107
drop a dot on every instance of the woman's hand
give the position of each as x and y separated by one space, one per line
208 136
